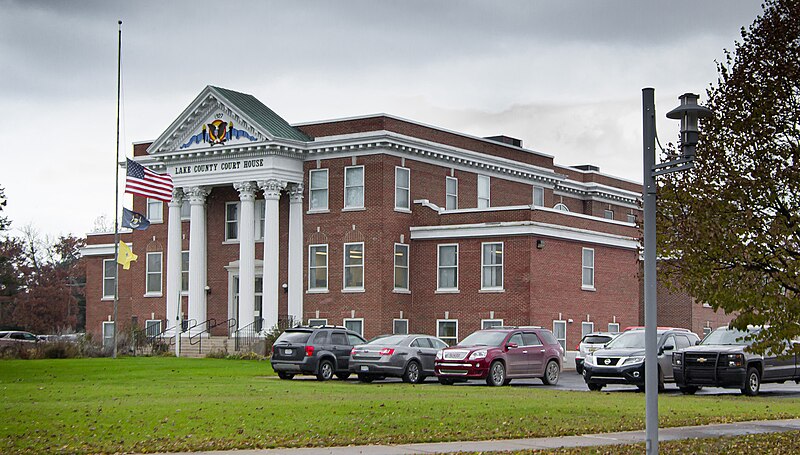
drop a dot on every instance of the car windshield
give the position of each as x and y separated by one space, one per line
596 339
633 339
393 340
484 338
294 336
727 336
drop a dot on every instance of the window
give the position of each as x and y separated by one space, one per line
437 343
184 271
108 334
401 266
538 196
586 328
355 340
682 342
448 268
588 268
231 220
258 303
421 342
516 339
318 190
155 210
153 285
530 339
561 206
356 325
613 327
608 214
447 331
318 267
451 191
560 332
492 266
400 326
354 266
354 187
491 323
317 322
261 214
631 218
338 338
483 191
109 272
152 327
402 188
186 210
706 331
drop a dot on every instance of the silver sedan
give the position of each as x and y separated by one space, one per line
406 356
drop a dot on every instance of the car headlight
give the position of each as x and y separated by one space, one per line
588 360
735 360
677 358
477 355
633 360
439 354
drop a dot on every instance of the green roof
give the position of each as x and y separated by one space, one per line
263 116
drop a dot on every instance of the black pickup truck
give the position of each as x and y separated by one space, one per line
722 360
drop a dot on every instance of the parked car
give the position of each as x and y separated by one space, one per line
590 343
323 351
501 354
722 360
16 339
621 361
409 357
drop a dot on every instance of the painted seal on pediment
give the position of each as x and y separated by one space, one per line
218 132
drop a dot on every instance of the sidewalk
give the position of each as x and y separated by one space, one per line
587 440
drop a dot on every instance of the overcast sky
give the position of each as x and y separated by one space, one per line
563 76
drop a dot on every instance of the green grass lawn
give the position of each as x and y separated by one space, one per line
168 404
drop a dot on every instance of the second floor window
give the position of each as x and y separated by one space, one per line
354 266
109 273
483 192
588 268
318 189
401 266
402 188
492 266
451 190
184 271
318 267
155 210
538 196
448 267
232 221
153 285
608 214
354 187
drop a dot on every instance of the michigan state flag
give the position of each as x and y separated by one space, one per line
133 220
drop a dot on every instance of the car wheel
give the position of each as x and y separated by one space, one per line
752 382
689 390
497 374
342 376
365 378
284 375
551 373
412 374
446 381
325 372
595 387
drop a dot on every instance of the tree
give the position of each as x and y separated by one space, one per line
732 224
4 223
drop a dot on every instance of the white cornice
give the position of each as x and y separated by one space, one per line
104 249
522 228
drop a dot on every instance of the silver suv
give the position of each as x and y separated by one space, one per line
590 343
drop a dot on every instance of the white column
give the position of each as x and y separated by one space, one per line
247 254
174 257
269 301
296 254
197 255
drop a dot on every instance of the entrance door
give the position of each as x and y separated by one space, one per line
233 305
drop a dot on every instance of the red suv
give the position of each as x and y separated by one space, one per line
500 355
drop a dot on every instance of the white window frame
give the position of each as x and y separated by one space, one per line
608 214
112 278
439 266
613 326
487 198
562 341
361 320
363 189
185 273
448 195
188 214
562 207
160 273
106 336
491 323
587 286
260 208
583 328
159 212
631 218
398 189
501 266
540 191
438 333
236 221
311 190
311 322
706 331
346 288
405 267
310 267
152 322
394 326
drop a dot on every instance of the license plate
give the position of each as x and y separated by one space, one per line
287 351
364 368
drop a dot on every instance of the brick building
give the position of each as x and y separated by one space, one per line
378 223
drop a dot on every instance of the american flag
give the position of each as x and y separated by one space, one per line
147 183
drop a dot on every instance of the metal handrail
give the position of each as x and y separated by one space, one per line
209 324
247 335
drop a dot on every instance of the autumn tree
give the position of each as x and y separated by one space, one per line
732 224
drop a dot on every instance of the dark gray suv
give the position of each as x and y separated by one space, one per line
321 351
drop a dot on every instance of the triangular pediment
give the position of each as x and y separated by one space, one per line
220 117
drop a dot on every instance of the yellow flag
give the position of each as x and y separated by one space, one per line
125 256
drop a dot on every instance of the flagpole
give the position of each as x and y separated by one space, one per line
116 192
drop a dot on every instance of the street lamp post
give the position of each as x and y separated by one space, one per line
688 112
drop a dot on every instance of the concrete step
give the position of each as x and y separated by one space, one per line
203 347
